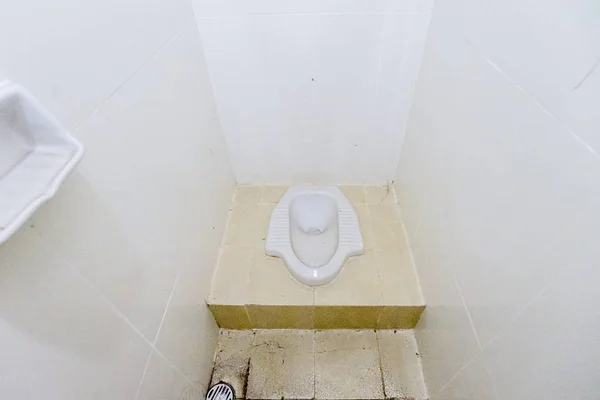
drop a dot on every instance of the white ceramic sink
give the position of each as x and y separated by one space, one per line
36 154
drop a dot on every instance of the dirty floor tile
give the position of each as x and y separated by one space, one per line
347 365
232 360
400 364
281 365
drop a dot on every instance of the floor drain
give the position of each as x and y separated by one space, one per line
220 391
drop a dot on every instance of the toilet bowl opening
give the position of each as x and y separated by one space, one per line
314 231
314 228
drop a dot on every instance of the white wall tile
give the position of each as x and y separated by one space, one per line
225 8
471 383
494 184
63 51
345 63
259 71
90 289
403 42
299 93
163 382
551 350
60 339
580 111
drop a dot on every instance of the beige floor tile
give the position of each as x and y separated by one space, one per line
232 360
399 281
270 283
262 220
243 228
354 193
230 316
231 276
357 284
401 365
380 195
248 194
347 365
282 365
281 317
399 317
364 220
347 317
386 226
272 194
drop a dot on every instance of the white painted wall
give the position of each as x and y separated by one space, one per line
499 185
101 292
316 90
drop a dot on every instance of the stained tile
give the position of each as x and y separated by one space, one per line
248 194
379 195
230 316
282 365
399 317
400 365
281 316
272 194
347 317
232 360
347 365
354 193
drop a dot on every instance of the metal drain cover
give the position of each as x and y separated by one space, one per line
220 391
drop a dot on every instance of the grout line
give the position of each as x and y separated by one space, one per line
131 325
314 363
129 78
164 316
455 375
222 243
420 365
408 245
518 314
380 365
562 124
587 75
487 370
462 298
137 393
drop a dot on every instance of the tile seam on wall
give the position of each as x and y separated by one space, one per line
162 320
410 251
455 375
535 298
464 302
222 242
413 89
128 79
139 389
564 126
131 325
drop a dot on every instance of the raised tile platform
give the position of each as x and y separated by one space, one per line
379 289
